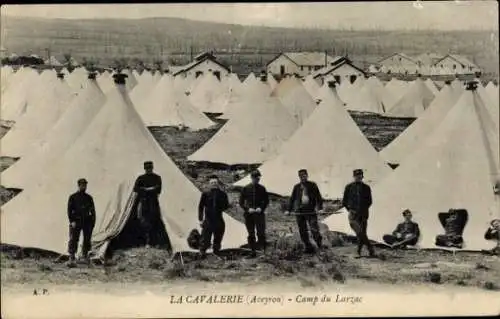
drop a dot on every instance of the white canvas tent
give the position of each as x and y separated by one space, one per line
457 167
366 99
271 81
250 79
205 94
43 114
15 98
394 90
317 146
311 86
109 154
44 151
414 102
143 88
423 126
431 86
295 98
252 134
164 106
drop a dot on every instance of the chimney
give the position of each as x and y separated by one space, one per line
60 75
92 75
326 59
119 78
471 86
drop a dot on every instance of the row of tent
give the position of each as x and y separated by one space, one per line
284 126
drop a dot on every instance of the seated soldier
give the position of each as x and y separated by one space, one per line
406 233
493 233
454 223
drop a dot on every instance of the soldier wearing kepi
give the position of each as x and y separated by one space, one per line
81 215
213 203
357 200
148 187
306 202
254 200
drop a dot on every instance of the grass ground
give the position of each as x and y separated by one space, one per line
282 261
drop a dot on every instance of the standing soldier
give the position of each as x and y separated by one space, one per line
254 200
81 215
357 200
306 201
213 203
148 188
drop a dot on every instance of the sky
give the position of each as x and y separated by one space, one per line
423 15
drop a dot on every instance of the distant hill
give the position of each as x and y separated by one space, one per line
243 47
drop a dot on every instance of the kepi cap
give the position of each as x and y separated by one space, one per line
255 173
357 172
406 212
82 181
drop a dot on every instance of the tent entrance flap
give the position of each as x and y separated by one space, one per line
123 228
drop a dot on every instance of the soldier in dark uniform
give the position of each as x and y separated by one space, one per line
454 223
254 200
148 187
213 203
81 215
493 233
306 202
406 233
357 200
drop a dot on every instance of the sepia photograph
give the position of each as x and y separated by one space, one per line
291 159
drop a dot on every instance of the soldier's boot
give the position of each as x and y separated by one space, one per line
72 261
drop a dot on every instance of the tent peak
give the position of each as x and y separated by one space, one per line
471 86
119 78
92 75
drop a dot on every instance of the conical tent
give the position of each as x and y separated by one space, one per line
109 154
44 151
6 74
131 80
331 167
206 93
39 88
396 88
242 100
234 94
143 89
77 78
414 102
105 82
457 168
250 79
43 114
346 90
311 86
431 86
251 135
166 107
423 126
271 81
493 91
457 84
366 99
295 98
15 99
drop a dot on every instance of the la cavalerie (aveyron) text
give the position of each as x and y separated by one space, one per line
264 300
